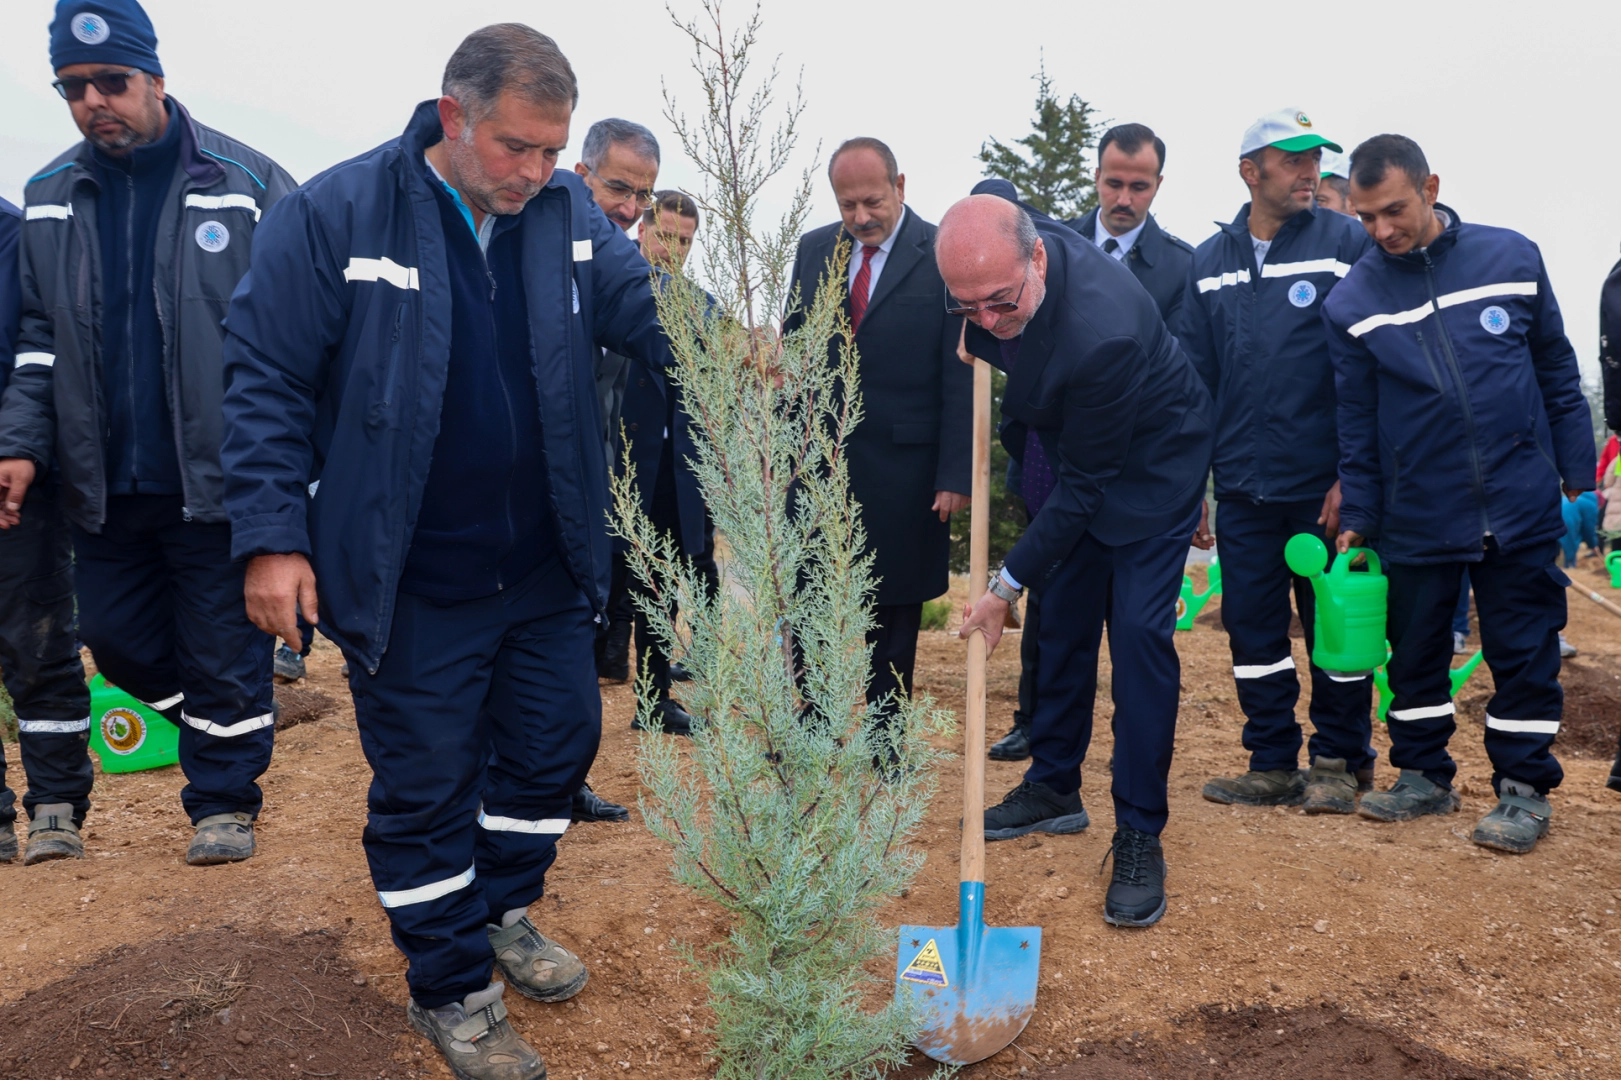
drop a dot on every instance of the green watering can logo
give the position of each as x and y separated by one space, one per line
1350 622
123 730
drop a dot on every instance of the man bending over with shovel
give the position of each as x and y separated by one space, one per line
1113 430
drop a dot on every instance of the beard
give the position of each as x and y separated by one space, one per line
126 137
476 187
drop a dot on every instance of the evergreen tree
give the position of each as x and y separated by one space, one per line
1054 176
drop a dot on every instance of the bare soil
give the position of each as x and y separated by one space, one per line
1378 950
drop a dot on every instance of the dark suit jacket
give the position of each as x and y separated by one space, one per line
1159 260
916 434
645 413
1124 419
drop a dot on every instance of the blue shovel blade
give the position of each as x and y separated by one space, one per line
974 986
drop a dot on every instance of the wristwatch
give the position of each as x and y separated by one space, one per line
1002 590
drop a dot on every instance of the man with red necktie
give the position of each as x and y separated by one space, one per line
909 458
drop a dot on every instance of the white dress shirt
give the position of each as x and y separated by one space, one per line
1126 242
879 257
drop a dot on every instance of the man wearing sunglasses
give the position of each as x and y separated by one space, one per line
132 244
1112 427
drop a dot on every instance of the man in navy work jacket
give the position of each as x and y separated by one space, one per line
412 427
132 243
1251 326
1461 418
39 656
1112 427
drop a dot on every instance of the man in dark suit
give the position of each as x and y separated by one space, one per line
1112 427
1131 168
909 458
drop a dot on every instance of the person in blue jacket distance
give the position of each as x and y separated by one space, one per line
1461 417
1251 325
414 462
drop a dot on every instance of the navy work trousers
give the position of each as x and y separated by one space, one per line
39 657
1134 588
1255 588
480 725
160 605
1520 602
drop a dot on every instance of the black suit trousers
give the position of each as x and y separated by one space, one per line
666 516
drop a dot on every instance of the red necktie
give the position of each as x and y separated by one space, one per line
863 286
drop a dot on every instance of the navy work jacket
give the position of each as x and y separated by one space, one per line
1257 340
11 293
1460 403
335 367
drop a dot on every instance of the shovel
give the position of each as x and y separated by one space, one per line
973 986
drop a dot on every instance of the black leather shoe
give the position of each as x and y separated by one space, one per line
679 673
1136 896
1614 781
613 663
676 720
589 806
1014 746
1032 807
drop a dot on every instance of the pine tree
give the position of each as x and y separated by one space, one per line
1054 177
792 810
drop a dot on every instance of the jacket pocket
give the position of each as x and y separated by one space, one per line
907 434
383 404
1429 358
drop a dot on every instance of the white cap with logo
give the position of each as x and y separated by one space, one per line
1287 129
1336 164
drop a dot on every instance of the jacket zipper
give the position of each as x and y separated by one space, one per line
129 320
170 360
512 427
1463 393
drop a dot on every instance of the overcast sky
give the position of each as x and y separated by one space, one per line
1504 97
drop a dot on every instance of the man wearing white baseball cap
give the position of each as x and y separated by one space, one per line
1334 184
1251 325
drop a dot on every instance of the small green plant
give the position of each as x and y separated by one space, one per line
936 613
792 810
8 717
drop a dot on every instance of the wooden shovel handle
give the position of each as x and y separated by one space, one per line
979 535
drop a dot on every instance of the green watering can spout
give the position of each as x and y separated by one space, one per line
1350 620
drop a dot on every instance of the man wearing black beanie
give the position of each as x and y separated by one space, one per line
132 244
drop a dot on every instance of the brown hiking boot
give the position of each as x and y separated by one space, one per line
8 842
539 967
221 838
1330 787
1278 787
476 1039
52 834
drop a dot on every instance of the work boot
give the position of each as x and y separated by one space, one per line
1276 787
52 834
8 841
539 967
1566 649
589 806
614 664
1614 780
1033 807
1364 779
1330 788
1014 746
1460 643
675 719
1517 822
1136 896
1412 796
287 664
221 838
476 1039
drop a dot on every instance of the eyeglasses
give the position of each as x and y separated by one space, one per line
621 191
1004 307
107 83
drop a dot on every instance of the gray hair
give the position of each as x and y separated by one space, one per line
509 56
606 134
1023 234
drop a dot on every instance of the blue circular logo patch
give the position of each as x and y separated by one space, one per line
90 28
1494 319
213 236
1302 293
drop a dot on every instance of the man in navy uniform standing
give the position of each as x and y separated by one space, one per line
415 459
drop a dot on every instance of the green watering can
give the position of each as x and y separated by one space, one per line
125 734
1350 636
1612 563
1190 603
1459 676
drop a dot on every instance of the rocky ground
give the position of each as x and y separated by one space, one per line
1293 946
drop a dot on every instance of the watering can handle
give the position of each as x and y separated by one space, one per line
1342 562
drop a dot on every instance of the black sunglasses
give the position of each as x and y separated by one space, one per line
107 83
1004 307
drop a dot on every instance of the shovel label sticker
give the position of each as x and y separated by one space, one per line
926 967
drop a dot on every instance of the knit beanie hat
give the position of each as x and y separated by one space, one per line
104 32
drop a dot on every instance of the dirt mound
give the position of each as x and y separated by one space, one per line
1280 1044
1592 719
215 1003
301 706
